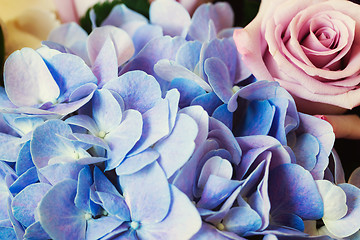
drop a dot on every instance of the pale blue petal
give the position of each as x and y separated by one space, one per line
103 184
82 198
136 162
157 49
188 55
139 90
169 70
27 80
208 101
10 147
35 232
25 202
107 112
349 224
178 147
58 212
97 228
125 18
155 126
188 89
27 178
85 122
222 114
162 13
47 143
144 34
59 172
202 119
122 139
147 194
72 36
216 190
241 220
182 213
115 205
219 78
70 72
24 160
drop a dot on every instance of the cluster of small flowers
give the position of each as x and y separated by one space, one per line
154 129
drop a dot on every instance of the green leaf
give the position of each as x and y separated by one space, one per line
2 56
102 11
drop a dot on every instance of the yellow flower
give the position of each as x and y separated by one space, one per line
26 23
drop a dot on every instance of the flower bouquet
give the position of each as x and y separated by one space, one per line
146 123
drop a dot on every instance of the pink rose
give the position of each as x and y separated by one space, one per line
311 47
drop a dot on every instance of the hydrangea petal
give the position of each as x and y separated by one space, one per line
31 85
24 161
289 185
241 220
144 34
177 148
148 184
139 90
162 13
122 139
355 177
25 202
155 126
169 70
137 162
82 198
106 110
188 89
10 147
202 119
349 224
57 212
97 228
219 78
181 213
120 39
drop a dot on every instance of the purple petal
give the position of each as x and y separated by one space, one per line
115 205
83 121
216 190
147 194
